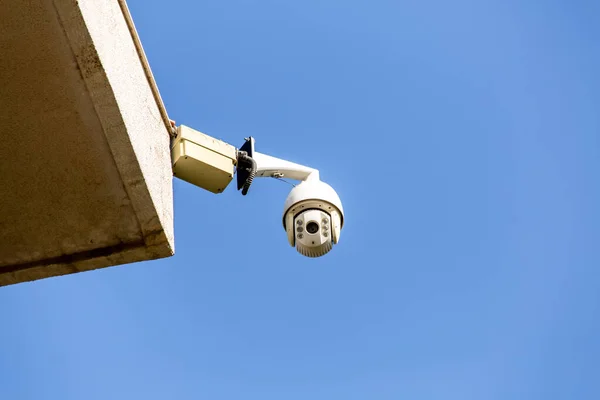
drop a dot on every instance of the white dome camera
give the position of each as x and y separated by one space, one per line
313 215
313 218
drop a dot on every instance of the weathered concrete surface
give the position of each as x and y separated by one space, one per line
85 172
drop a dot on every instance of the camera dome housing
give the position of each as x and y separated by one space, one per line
313 217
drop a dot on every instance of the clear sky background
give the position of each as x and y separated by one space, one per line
463 138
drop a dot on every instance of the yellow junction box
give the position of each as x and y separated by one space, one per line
202 160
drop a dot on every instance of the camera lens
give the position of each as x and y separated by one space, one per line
312 227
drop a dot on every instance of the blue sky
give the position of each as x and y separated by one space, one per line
463 139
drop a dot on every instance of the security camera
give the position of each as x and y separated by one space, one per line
313 215
313 218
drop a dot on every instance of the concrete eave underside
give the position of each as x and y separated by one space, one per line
85 168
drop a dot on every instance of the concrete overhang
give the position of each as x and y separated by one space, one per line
85 167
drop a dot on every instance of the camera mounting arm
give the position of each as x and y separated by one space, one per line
272 167
252 164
